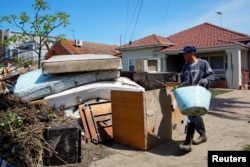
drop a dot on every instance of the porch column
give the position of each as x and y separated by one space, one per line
233 73
164 63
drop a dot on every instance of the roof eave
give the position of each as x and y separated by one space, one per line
208 48
144 46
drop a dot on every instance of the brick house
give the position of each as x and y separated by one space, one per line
72 47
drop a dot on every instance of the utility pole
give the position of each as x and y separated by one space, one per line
219 13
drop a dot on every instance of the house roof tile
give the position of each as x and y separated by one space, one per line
89 48
204 35
148 40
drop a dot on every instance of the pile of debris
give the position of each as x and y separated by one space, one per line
69 80
22 126
81 85
42 97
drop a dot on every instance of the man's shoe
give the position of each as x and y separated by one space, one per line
186 148
201 139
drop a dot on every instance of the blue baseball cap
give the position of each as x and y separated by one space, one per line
188 49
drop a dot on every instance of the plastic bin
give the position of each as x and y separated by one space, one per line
193 100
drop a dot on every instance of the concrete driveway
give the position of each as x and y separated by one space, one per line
227 125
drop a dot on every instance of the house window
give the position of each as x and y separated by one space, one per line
152 65
144 65
8 54
14 52
131 64
217 62
205 58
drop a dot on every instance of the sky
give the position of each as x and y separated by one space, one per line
120 21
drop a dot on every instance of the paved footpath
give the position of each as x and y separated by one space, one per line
227 125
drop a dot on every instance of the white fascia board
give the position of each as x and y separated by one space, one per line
210 48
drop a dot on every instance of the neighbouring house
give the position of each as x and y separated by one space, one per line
27 50
73 47
226 50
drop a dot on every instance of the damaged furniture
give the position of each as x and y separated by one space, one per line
144 119
65 141
97 121
141 120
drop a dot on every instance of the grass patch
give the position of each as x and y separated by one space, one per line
246 147
216 92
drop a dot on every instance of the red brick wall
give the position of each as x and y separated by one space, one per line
58 49
218 84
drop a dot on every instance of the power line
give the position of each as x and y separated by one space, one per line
136 20
165 14
131 21
126 29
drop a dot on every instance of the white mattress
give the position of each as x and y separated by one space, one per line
34 84
91 91
80 63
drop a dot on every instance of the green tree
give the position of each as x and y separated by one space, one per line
37 29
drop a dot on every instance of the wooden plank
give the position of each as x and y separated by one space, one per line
39 101
158 116
97 121
178 119
128 118
84 122
102 120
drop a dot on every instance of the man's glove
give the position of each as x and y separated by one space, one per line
202 82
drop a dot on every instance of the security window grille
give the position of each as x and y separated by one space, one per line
217 62
131 64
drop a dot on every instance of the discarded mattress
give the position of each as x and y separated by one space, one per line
79 63
34 84
96 90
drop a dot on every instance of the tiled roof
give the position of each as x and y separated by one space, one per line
148 40
89 48
204 35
